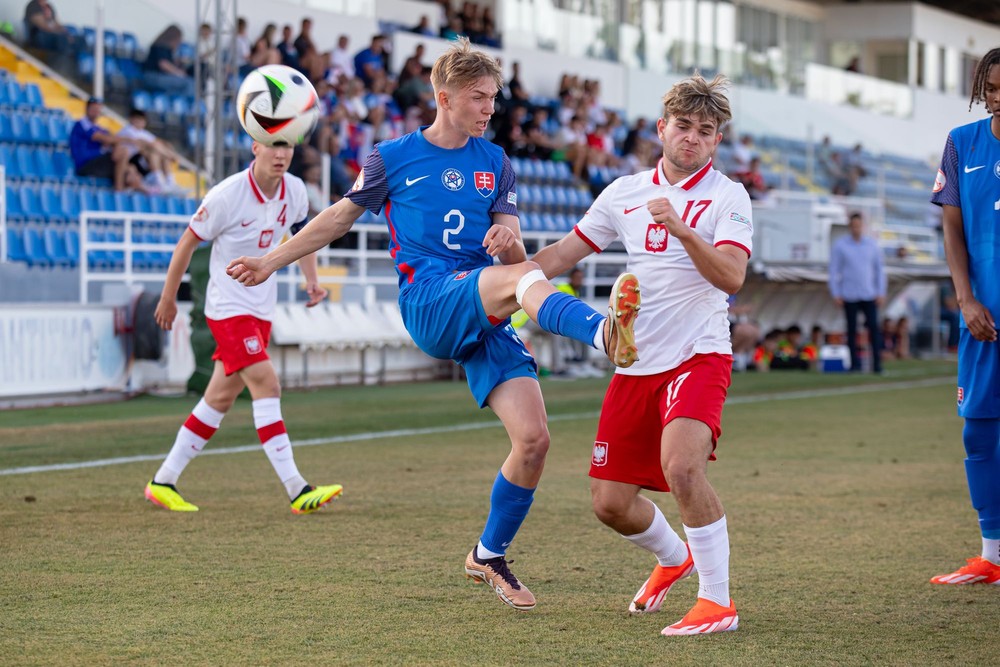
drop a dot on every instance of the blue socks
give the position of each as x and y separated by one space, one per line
982 469
509 505
566 315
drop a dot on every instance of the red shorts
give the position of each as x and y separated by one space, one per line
240 341
637 408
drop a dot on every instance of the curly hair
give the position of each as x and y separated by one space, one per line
982 73
696 96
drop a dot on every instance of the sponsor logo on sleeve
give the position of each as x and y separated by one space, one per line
201 214
512 198
359 182
742 219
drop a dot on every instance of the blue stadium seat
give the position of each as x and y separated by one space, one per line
128 47
6 132
9 161
141 202
14 207
190 206
51 203
179 108
14 94
159 106
59 129
526 221
33 96
34 247
85 65
20 132
15 246
45 165
62 165
142 100
70 202
55 247
89 37
123 202
86 199
159 204
177 205
24 158
106 200
31 202
73 246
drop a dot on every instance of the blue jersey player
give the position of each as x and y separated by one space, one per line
968 190
451 203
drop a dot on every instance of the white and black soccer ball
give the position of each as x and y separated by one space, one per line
277 106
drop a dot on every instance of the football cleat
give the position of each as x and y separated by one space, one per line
314 497
705 617
978 570
166 496
619 337
494 571
651 594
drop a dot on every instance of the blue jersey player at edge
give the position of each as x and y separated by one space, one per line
451 204
968 190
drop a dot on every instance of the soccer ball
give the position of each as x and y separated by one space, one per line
277 106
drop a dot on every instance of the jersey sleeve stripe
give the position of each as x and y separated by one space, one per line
738 245
191 229
583 236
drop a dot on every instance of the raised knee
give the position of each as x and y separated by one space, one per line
607 511
681 476
536 447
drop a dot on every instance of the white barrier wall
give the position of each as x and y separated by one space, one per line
59 349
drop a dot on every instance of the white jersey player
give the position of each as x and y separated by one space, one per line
687 230
246 214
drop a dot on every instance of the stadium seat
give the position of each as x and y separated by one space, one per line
9 161
15 246
106 200
141 203
73 246
6 132
70 202
62 165
59 129
51 204
142 100
34 247
45 165
14 207
33 96
55 247
124 202
31 202
128 46
24 158
19 130
159 204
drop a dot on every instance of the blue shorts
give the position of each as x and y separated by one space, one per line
978 377
445 317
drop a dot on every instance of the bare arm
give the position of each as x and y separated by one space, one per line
503 239
166 309
325 228
977 317
562 255
724 266
316 293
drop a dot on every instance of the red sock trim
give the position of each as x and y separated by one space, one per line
199 428
265 433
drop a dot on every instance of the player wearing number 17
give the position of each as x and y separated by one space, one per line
451 204
687 230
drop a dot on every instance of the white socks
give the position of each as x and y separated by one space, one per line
201 424
599 339
277 446
662 540
710 550
991 550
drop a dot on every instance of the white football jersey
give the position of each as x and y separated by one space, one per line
239 221
682 313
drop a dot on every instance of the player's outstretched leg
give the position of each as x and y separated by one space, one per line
650 596
496 573
977 570
619 334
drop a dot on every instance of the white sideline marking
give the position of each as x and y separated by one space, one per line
409 432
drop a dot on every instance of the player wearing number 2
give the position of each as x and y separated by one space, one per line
687 230
451 205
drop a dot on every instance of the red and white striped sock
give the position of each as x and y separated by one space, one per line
201 425
277 446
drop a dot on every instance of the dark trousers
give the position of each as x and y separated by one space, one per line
870 311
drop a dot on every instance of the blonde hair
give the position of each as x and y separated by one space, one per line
461 66
696 97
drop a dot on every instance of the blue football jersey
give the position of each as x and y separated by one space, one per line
438 202
969 178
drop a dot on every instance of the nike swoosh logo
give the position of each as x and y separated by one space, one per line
246 223
969 170
629 210
410 182
591 316
281 449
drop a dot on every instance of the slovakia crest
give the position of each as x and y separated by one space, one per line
961 395
452 179
656 238
600 457
252 345
484 181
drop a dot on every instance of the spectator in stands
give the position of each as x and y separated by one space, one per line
43 28
204 52
744 332
453 30
286 47
304 41
743 153
858 283
263 51
423 27
98 153
243 47
573 144
753 180
854 168
510 134
413 66
540 142
601 147
161 70
854 65
341 60
368 61
314 189
153 158
417 91
519 97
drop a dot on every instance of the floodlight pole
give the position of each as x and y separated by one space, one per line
213 88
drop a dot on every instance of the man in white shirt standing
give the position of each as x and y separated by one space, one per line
687 230
246 214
